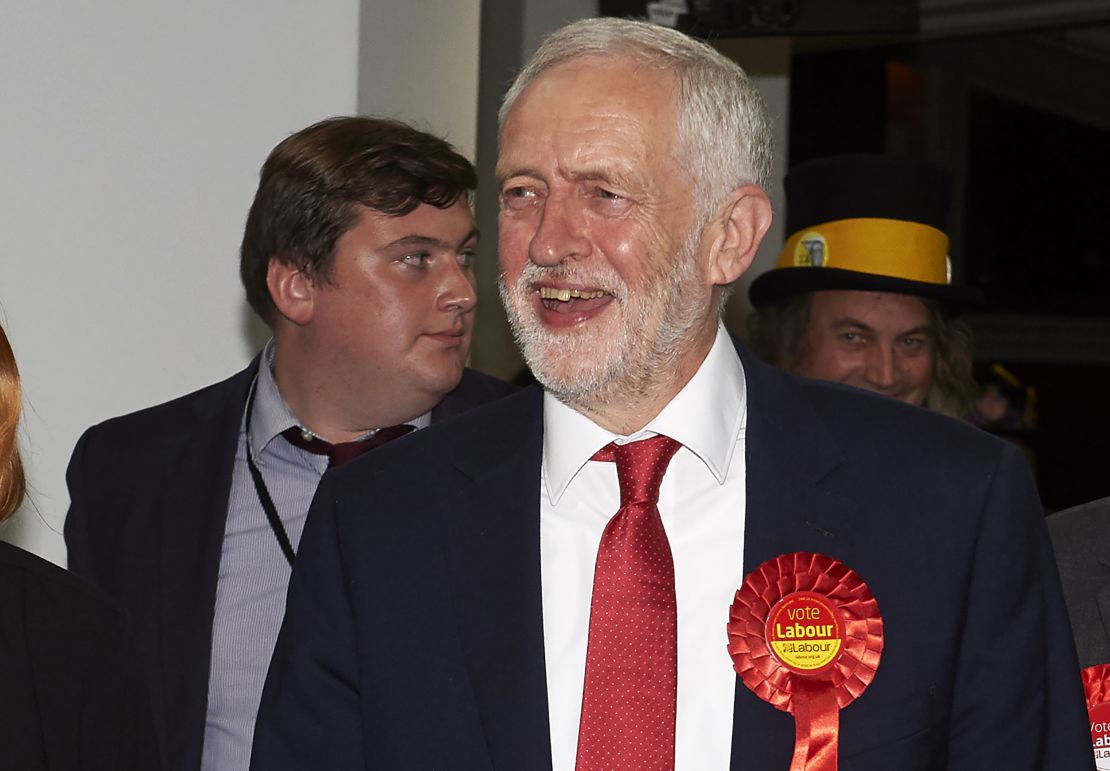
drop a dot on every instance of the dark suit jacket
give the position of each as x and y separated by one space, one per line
1081 537
414 636
72 696
149 494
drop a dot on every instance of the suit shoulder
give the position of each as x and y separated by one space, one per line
150 422
480 382
498 423
1080 527
870 425
474 389
57 598
491 420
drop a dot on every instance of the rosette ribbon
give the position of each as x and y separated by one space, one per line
1096 687
805 635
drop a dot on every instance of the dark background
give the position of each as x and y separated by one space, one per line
1021 121
1012 97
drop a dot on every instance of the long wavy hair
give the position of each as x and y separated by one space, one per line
776 334
13 483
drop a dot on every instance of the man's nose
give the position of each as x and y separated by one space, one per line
561 234
457 290
882 368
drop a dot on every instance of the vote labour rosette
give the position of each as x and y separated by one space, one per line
805 635
1096 685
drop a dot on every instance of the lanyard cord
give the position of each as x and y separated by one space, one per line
264 494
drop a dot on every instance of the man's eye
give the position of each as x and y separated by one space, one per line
851 337
416 259
608 203
517 197
466 258
914 343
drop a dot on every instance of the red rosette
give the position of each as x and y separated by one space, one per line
846 618
1096 687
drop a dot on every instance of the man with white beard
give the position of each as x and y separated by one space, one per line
551 582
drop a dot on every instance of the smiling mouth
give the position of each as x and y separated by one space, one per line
563 300
566 295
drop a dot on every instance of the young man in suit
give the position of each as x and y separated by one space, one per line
548 581
358 253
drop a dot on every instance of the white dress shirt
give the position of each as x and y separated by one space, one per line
701 502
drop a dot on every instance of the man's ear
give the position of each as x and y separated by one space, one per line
291 291
740 229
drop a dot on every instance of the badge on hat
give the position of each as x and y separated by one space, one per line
870 223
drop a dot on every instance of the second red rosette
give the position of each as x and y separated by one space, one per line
1096 686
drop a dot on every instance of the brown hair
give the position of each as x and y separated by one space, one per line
777 333
13 484
313 185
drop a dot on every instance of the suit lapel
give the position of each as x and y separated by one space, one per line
496 582
195 497
788 510
493 558
788 458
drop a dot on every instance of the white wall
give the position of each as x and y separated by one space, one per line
429 48
129 153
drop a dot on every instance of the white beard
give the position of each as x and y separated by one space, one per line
608 359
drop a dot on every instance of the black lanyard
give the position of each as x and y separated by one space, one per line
264 494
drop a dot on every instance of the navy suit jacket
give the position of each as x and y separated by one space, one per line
414 633
148 505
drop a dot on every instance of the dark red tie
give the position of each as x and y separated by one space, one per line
628 704
340 453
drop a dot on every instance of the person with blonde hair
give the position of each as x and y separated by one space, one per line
71 696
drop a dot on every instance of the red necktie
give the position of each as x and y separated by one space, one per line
341 452
628 704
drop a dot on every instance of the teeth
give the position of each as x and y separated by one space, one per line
564 295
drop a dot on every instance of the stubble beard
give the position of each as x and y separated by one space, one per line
622 361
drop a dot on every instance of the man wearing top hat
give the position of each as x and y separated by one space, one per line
862 290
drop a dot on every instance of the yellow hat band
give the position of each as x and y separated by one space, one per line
882 247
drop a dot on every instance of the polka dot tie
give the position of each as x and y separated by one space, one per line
628 703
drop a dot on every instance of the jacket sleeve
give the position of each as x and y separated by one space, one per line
1017 701
1068 743
77 528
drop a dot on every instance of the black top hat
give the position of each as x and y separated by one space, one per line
866 222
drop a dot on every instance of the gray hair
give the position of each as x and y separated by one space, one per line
723 132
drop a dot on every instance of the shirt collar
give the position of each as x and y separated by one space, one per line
271 414
706 417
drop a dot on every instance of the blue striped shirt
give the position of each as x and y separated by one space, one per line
254 574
